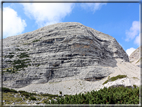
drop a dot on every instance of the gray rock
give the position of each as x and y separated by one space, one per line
57 51
136 57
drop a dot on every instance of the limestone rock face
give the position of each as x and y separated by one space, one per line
57 51
135 57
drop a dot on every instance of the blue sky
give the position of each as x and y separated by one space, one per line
120 20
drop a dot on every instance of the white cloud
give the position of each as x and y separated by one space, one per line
130 50
93 6
133 31
12 23
47 13
137 40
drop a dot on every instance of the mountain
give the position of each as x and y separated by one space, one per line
135 57
68 57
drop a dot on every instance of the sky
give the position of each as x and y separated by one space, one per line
119 20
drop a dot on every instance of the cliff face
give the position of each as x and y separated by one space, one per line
135 57
57 51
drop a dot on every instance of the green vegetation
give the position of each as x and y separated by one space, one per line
4 89
9 70
36 40
18 49
49 95
134 86
32 98
26 43
111 95
26 94
117 95
23 55
38 65
135 78
32 41
11 53
9 56
139 60
115 78
19 64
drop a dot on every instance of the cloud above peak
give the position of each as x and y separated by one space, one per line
130 51
12 23
47 13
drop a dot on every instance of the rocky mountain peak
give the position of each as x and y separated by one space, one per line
59 51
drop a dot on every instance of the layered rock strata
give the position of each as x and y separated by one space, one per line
136 57
59 51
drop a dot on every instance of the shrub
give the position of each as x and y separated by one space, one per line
20 64
23 55
36 40
4 89
32 98
17 49
24 93
49 95
11 53
115 78
111 95
134 86
9 56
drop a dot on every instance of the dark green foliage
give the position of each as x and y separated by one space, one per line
9 61
4 89
46 102
32 98
23 55
134 86
17 49
115 78
50 95
11 53
10 70
24 93
27 94
111 95
20 63
9 56
38 65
